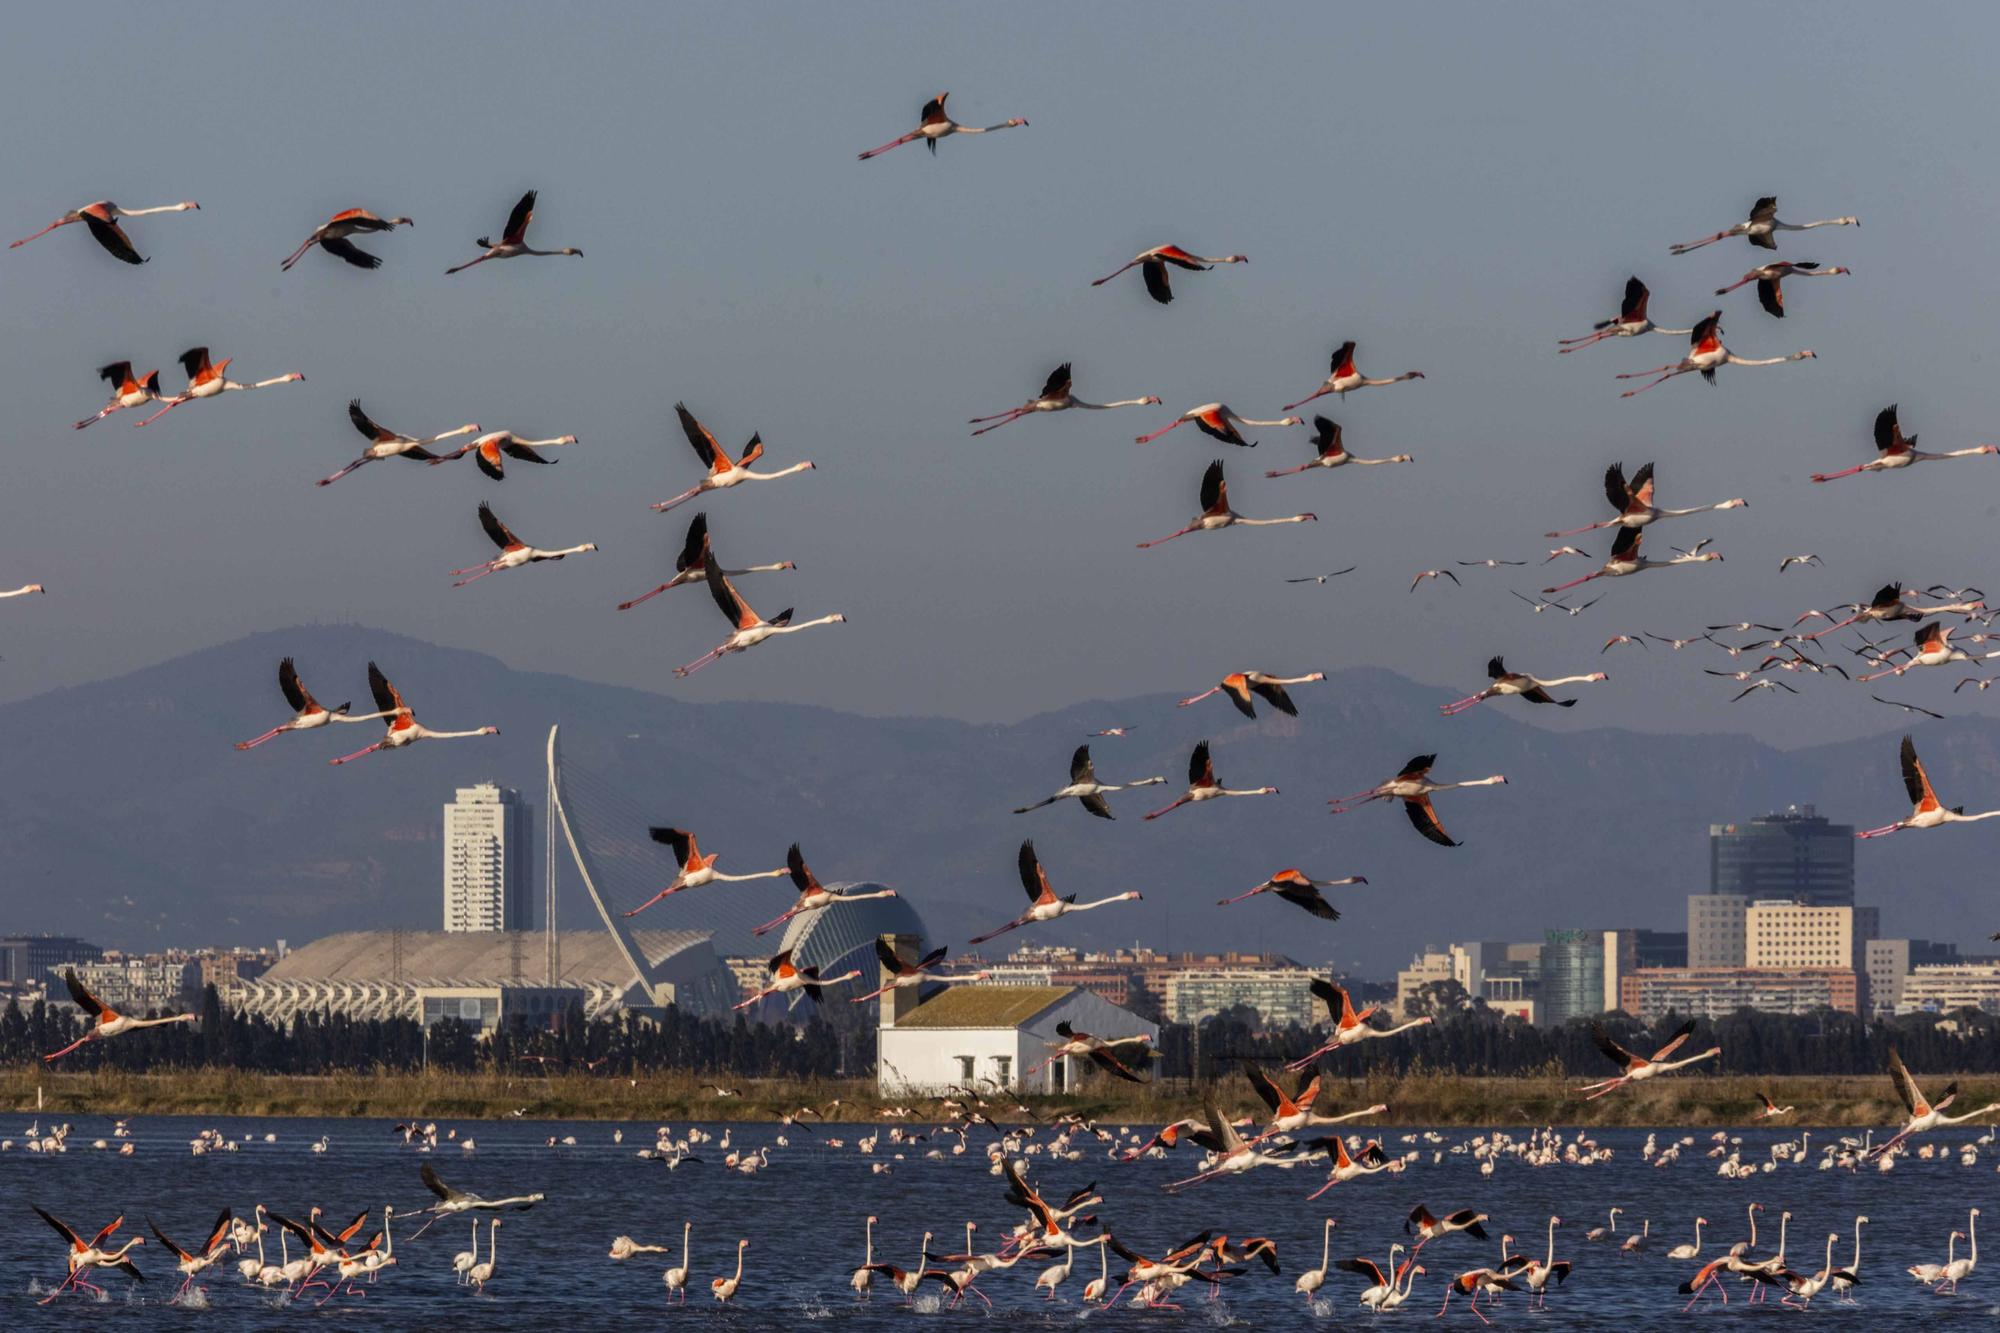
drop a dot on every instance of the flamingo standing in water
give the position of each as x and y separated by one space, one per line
934 124
1342 378
813 896
1928 812
1894 450
691 565
1055 397
722 473
750 629
514 241
1152 266
1220 421
102 219
1413 787
513 551
307 712
1240 686
1202 784
386 443
1705 354
1330 452
403 727
1626 558
208 381
331 236
1769 277
1216 513
1532 688
1761 227
695 869
1630 322
1350 1028
1043 904
1637 1068
1085 787
126 390
492 450
1296 888
105 1022
1632 503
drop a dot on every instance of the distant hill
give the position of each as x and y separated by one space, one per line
130 819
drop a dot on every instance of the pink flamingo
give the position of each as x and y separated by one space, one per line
1220 421
1152 266
207 380
1056 397
1202 785
722 473
1705 355
1532 688
102 219
1768 277
307 712
1761 227
386 443
1633 507
691 565
126 391
1630 323
1894 450
1216 513
1330 452
813 896
750 629
694 869
403 727
1626 559
331 236
514 241
1043 904
1342 378
513 551
105 1022
934 125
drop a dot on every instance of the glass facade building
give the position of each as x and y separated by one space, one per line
1794 855
1572 975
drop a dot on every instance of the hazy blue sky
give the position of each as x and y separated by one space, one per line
1455 186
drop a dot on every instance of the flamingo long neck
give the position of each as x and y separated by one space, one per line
1326 1247
868 1252
739 1265
1101 902
1972 1233
1390 1032
492 1242
1552 1242
143 212
794 629
450 735
757 569
773 476
567 550
1102 407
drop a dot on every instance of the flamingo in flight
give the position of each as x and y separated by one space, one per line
1770 277
1761 228
1300 890
514 241
1240 687
901 974
1632 503
191 1263
1705 354
22 591
813 896
1055 397
1889 603
307 712
85 1255
1532 688
102 219
1202 785
934 124
1343 1168
722 473
786 978
105 1022
1933 648
1626 558
1085 787
1630 322
1342 378
1216 513
751 629
1928 811
691 565
1925 1114
1413 787
694 869
513 551
1350 1027
386 443
1330 452
1894 450
207 380
126 390
492 450
1043 904
403 727
1152 266
1636 1068
1220 421
1232 1154
331 236
1084 1046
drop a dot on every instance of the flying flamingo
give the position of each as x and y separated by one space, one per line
106 1022
695 869
513 551
1085 787
1344 1168
1626 558
1768 277
813 896
1216 513
691 565
102 219
1630 322
1056 397
1350 1028
1240 686
208 381
386 443
307 712
1761 227
191 1264
331 236
1894 450
1043 904
514 241
1085 1046
901 974
1220 421
1929 812
1413 787
1330 452
1637 1067
1152 266
1288 1114
1771 1109
492 450
1705 354
1202 785
751 628
1933 648
935 125
1342 378
1427 1228
908 1280
126 391
1632 503
403 727
1890 602
88 1254
722 473
1532 688
1232 1155
1296 888
786 978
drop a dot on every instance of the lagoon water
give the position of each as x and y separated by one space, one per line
804 1218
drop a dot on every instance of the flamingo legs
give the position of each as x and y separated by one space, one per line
897 142
346 758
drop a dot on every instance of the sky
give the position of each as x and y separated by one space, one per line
1455 186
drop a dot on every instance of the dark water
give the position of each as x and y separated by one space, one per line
804 1218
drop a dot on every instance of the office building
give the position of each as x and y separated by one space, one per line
1795 855
1715 929
1650 994
488 860
1425 969
1282 996
1572 975
1890 963
40 959
1941 988
1626 950
1795 934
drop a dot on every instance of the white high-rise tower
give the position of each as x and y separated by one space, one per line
488 860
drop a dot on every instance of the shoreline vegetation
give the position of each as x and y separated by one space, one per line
1415 1100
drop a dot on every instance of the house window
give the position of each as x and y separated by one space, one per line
1058 1069
965 1070
1003 1066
